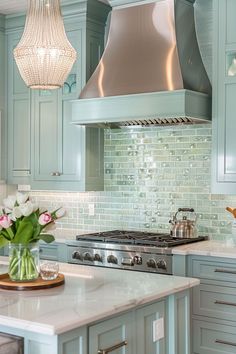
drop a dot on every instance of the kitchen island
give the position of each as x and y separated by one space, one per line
98 308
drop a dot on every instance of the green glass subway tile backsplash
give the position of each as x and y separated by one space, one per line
149 174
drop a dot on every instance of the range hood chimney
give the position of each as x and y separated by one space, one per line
151 72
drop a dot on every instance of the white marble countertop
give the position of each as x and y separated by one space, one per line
63 235
208 248
88 295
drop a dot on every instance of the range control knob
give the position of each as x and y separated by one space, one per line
161 264
76 255
151 263
97 257
87 256
137 260
112 259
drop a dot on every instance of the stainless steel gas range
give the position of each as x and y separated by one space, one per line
133 250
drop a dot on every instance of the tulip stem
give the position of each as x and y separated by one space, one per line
22 265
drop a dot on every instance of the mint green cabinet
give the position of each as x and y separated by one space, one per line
46 144
162 327
68 157
131 333
49 251
18 120
113 335
44 149
224 92
145 320
55 251
215 301
212 338
213 305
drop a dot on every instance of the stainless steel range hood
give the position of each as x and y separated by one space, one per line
151 72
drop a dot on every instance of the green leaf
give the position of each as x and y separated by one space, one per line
5 234
33 218
34 229
3 241
10 232
37 230
46 238
24 232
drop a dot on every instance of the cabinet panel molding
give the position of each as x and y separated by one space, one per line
53 153
224 91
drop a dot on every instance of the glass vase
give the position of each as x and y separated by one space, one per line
23 261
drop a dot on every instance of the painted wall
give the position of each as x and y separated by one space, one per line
149 174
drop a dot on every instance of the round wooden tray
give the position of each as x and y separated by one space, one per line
7 284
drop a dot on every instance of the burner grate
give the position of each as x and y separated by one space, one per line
137 238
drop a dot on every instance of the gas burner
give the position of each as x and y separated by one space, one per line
136 238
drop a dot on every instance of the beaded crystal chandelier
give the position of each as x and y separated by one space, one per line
44 55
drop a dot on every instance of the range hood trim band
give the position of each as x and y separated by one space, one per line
115 109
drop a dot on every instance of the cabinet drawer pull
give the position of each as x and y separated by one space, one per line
219 302
114 347
55 174
219 270
224 342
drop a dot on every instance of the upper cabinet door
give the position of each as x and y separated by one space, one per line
41 138
47 135
19 123
72 136
224 97
62 151
57 142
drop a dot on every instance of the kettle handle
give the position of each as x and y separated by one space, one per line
190 210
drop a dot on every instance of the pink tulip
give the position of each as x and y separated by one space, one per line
5 221
45 218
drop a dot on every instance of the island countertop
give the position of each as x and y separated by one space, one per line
88 295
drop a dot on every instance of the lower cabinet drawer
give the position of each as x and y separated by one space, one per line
215 301
48 252
112 336
222 271
211 338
